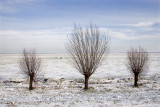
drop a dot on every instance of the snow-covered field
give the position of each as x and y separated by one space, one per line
111 85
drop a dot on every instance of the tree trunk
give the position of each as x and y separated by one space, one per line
136 79
30 82
86 82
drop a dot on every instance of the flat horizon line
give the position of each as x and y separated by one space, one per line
68 53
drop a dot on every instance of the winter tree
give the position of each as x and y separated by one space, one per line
30 65
87 48
138 62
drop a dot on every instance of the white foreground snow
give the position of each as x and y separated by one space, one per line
111 85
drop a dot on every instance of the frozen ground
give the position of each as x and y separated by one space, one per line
111 85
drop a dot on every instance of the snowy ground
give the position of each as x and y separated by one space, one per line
111 85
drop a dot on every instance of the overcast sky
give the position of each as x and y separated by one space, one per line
44 24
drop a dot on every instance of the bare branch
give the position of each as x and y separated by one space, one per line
138 62
30 65
87 48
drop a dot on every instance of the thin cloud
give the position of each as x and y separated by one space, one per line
144 24
46 41
12 6
127 36
130 34
36 33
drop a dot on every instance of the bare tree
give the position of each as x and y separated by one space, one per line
30 65
87 48
138 62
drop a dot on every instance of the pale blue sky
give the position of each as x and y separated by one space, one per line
44 24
